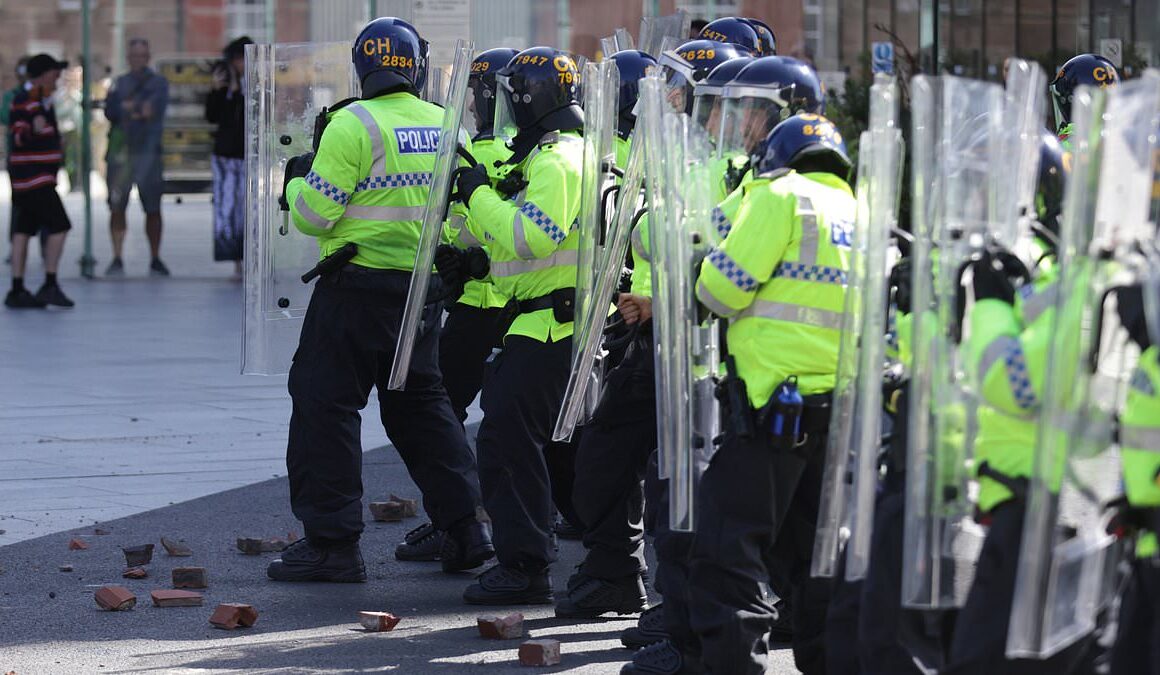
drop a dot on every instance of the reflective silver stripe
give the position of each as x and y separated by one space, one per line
539 148
1039 302
784 311
638 246
510 268
1133 437
385 213
715 304
459 222
311 215
379 154
809 243
520 239
994 353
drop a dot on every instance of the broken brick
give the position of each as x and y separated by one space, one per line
176 548
167 598
115 598
230 615
98 531
189 577
66 568
410 506
387 512
77 545
540 653
135 573
251 546
506 628
135 556
378 622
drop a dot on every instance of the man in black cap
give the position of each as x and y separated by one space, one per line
33 164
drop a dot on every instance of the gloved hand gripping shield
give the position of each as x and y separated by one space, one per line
596 269
441 182
850 479
1067 559
287 86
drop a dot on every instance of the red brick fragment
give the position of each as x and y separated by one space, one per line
387 512
189 577
77 545
377 622
177 549
135 573
100 532
410 506
252 546
135 556
115 598
230 615
540 653
168 598
506 628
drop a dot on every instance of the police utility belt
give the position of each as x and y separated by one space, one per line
562 302
785 422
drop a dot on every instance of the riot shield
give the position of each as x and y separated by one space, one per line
1063 579
594 263
954 144
656 30
1013 181
617 42
850 476
445 163
286 87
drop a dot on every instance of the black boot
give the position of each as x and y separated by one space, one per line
501 585
466 546
590 597
649 628
421 544
302 561
660 658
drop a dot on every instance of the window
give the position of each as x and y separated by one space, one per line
247 17
711 10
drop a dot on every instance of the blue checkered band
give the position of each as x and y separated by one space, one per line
724 264
802 272
1017 377
393 180
721 222
328 190
541 219
1141 383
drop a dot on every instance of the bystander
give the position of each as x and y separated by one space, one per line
224 107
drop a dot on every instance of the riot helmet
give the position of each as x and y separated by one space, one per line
632 65
762 94
805 143
688 64
707 93
538 90
733 30
767 40
1085 69
481 82
389 55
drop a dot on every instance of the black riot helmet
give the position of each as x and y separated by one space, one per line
1085 69
688 64
733 30
389 55
763 93
707 92
805 143
767 40
632 65
481 81
538 90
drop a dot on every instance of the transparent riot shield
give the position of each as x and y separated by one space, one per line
954 144
1013 180
1063 579
445 163
593 264
619 41
656 30
287 86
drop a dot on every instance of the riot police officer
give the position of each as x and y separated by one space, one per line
368 185
737 31
533 248
1091 70
767 41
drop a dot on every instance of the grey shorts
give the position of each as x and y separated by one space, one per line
144 171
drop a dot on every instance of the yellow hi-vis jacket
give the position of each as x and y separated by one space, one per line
1140 442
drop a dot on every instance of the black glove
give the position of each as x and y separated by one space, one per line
476 264
468 181
900 282
991 282
296 167
1130 307
456 267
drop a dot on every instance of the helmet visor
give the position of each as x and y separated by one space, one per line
481 105
679 80
504 126
745 122
707 113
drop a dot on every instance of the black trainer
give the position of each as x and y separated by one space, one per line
649 628
659 658
52 295
466 547
501 585
421 544
590 597
22 299
567 531
303 562
158 268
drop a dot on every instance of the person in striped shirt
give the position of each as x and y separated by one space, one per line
33 163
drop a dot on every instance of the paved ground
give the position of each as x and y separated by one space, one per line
129 412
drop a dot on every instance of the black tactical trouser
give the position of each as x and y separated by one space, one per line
468 337
1137 648
980 639
671 576
346 347
757 511
522 392
842 621
611 460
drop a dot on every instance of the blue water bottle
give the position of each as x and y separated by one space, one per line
787 412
